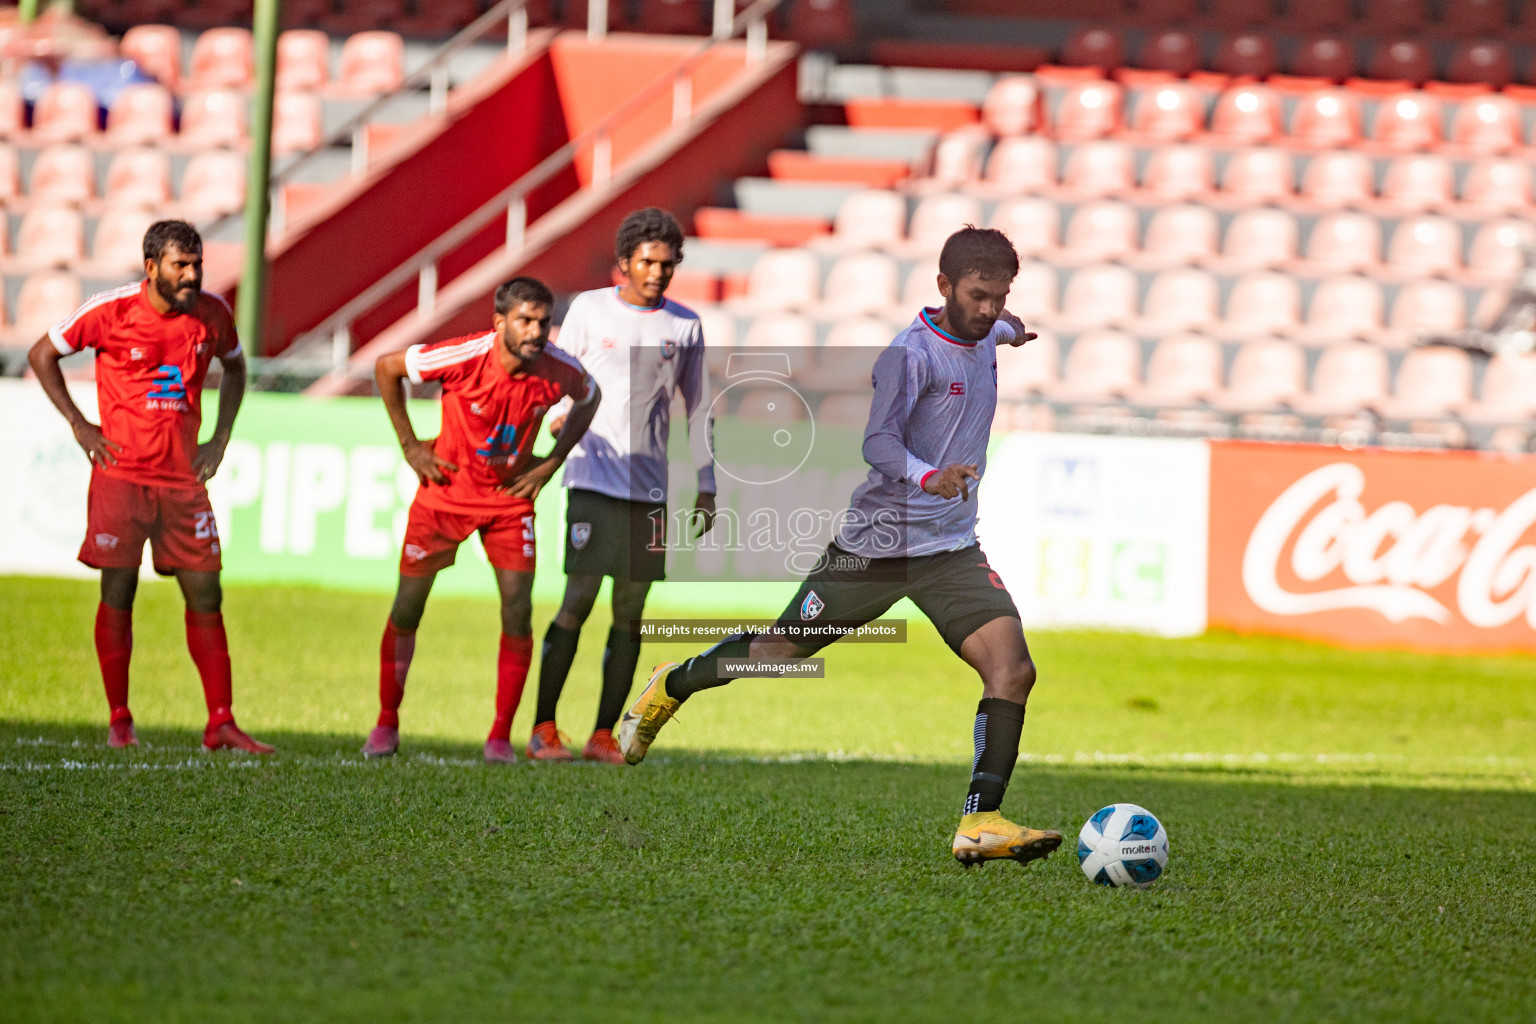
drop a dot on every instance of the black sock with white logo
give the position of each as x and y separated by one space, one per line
999 724
619 660
554 665
702 672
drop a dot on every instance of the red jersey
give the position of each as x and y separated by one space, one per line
490 418
149 376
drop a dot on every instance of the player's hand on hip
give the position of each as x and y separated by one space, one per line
210 455
952 481
556 425
531 481
101 449
703 517
1021 334
429 468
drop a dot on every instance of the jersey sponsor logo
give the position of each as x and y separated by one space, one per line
415 552
811 607
170 391
475 408
106 541
580 534
668 349
958 387
135 354
500 445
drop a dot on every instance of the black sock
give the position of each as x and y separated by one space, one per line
999 723
702 671
554 666
619 660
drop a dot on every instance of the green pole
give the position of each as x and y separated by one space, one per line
250 309
28 10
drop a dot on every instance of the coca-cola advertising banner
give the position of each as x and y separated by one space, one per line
1435 551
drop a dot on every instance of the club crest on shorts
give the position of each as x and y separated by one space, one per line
106 541
668 349
415 552
580 534
811 607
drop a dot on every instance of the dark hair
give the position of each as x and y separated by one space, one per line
165 233
973 250
522 289
648 225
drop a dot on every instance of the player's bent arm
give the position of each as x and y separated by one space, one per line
390 374
44 359
577 420
231 392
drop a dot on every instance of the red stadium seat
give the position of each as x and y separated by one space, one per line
1317 14
1345 307
213 184
1344 242
1185 369
1101 230
1164 12
13 108
1350 377
303 60
1102 365
296 124
1022 163
1267 373
1034 292
141 114
1482 63
862 282
1260 175
1099 169
1263 302
1498 184
1488 124
1088 110
1260 238
63 175
1425 246
156 49
1432 307
1032 370
46 298
1241 13
10 176
1247 55
1407 60
1171 50
210 119
1012 106
1246 114
1390 16
1408 121
939 216
1175 173
1098 296
369 15
117 247
784 279
1495 251
1432 381
819 23
958 158
1093 47
1032 225
1338 178
1326 119
1181 234
139 177
874 219
674 18
371 63
50 236
1476 17
1418 182
1330 57
66 112
222 58
1184 299
1169 112
1509 390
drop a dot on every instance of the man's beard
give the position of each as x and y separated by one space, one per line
171 294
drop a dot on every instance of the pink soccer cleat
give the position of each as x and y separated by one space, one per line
383 741
500 752
229 736
120 734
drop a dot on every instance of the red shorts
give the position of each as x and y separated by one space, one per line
432 538
177 521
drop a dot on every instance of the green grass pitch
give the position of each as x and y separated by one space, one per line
1353 835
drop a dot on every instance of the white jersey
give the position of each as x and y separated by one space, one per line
639 357
935 396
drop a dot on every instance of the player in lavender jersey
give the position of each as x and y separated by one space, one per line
911 532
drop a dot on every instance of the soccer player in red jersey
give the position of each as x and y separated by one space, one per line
154 341
479 474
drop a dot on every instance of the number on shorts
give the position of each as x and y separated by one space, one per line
205 526
528 529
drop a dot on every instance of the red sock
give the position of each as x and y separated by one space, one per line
511 673
210 653
395 652
114 648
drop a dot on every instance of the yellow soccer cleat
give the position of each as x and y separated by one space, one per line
645 717
987 835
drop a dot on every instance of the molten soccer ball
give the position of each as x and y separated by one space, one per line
1123 845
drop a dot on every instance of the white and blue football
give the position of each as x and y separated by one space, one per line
1123 845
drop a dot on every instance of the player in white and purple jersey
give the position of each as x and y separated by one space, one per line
910 531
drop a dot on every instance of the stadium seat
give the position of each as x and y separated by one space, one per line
921 290
1344 242
46 298
13 108
303 60
1408 121
10 175
1099 168
212 184
1310 15
870 219
1481 63
1029 371
139 177
1418 182
156 49
1326 119
1184 299
1345 307
1259 175
140 114
1012 106
296 123
1351 376
1021 163
958 158
1262 302
819 24
1495 251
371 63
63 175
212 119
1102 365
1246 115
850 371
1425 246
1176 173
222 58
1241 13
66 112
1338 178
1246 55
1093 47
1487 124
673 18
1432 381
939 216
1405 60
50 236
1260 238
1498 185
1181 234
1088 110
1429 307
783 331
1034 295
1164 12
1168 113
1185 369
1391 16
783 279
1098 296
1329 57
1033 225
1267 373
117 247
1101 230
862 282
1171 50
1476 17
1508 393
